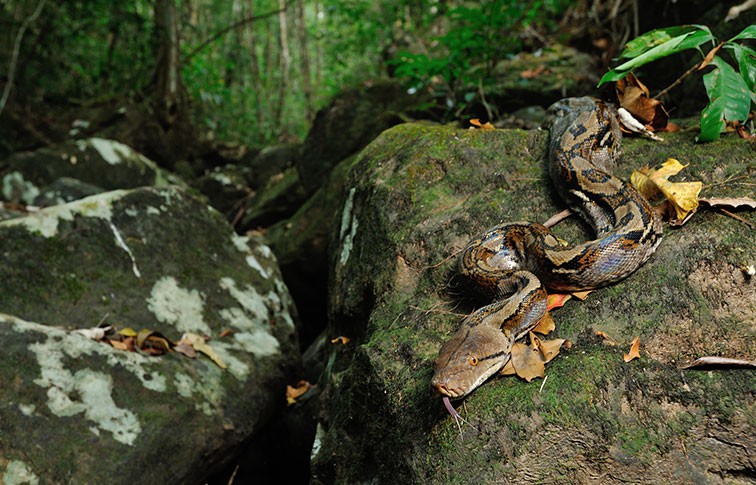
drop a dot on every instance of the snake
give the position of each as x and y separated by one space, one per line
517 263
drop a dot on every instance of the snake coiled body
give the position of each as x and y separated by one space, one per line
519 261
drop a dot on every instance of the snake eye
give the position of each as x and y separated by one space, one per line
472 360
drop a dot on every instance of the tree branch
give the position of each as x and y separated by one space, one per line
16 48
231 27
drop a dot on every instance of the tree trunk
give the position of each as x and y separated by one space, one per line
305 59
170 102
285 64
254 68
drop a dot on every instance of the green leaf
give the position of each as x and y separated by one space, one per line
649 40
747 33
657 44
746 58
729 99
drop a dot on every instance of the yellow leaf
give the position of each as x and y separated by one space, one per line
340 340
682 195
128 332
634 350
483 126
199 344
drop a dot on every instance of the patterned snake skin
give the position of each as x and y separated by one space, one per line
519 261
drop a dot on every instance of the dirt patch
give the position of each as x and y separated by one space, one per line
729 327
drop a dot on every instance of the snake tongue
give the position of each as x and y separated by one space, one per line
457 417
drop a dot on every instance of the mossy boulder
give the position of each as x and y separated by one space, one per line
75 410
103 163
413 199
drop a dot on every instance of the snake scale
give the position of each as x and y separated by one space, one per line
519 261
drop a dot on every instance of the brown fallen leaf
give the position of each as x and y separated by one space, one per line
609 340
198 342
546 325
340 340
293 393
582 295
225 333
725 362
186 349
482 126
634 96
127 344
634 350
527 361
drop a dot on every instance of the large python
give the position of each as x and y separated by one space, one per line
523 259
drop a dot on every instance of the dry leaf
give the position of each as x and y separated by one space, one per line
340 340
293 393
683 196
546 325
606 338
128 344
200 345
634 350
557 300
128 332
508 369
582 295
731 202
549 348
186 349
633 96
527 362
226 332
713 361
483 126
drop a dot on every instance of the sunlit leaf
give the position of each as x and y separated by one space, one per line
748 33
683 196
634 352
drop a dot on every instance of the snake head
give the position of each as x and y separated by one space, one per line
469 358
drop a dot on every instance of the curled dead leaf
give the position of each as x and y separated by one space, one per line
609 340
293 393
634 97
340 340
634 350
475 122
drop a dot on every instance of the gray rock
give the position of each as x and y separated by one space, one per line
96 161
73 410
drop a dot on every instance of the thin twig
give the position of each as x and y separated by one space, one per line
687 73
734 216
16 48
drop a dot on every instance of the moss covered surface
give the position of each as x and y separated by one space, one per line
80 411
417 195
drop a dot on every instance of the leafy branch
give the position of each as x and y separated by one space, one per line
730 90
